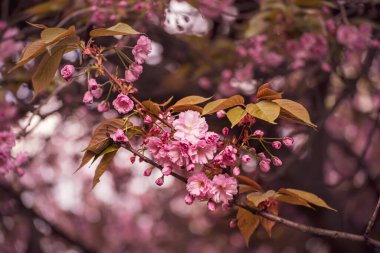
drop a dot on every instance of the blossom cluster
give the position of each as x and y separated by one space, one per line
8 162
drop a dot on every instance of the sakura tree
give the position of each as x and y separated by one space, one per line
204 126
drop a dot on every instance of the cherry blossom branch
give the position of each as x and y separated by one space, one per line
301 227
313 230
372 221
151 162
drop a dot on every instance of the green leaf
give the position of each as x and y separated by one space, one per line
235 115
100 139
257 197
307 196
191 100
118 29
222 104
102 167
295 111
247 223
264 110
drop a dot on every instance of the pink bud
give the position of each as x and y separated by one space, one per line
253 150
20 172
159 181
220 114
226 206
189 199
236 171
288 141
166 171
147 172
276 144
262 155
245 158
233 223
276 161
147 119
258 133
103 106
264 166
88 98
133 159
190 167
211 206
225 131
219 144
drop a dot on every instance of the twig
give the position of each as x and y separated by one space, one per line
151 162
289 223
314 230
372 221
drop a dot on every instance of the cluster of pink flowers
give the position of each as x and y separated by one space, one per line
192 144
94 91
309 47
8 162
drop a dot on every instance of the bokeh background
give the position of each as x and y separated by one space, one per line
323 54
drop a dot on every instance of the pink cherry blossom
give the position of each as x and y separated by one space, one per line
226 157
119 136
142 49
103 106
123 104
189 199
88 98
95 88
67 72
220 114
133 73
190 126
148 119
223 188
202 152
246 158
264 166
199 185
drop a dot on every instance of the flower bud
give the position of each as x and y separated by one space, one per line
225 131
189 199
276 161
166 171
67 72
276 144
233 223
246 158
133 159
211 206
258 133
147 172
159 181
220 114
147 119
236 171
288 141
264 166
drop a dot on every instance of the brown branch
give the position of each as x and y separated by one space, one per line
301 227
372 221
151 162
313 230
